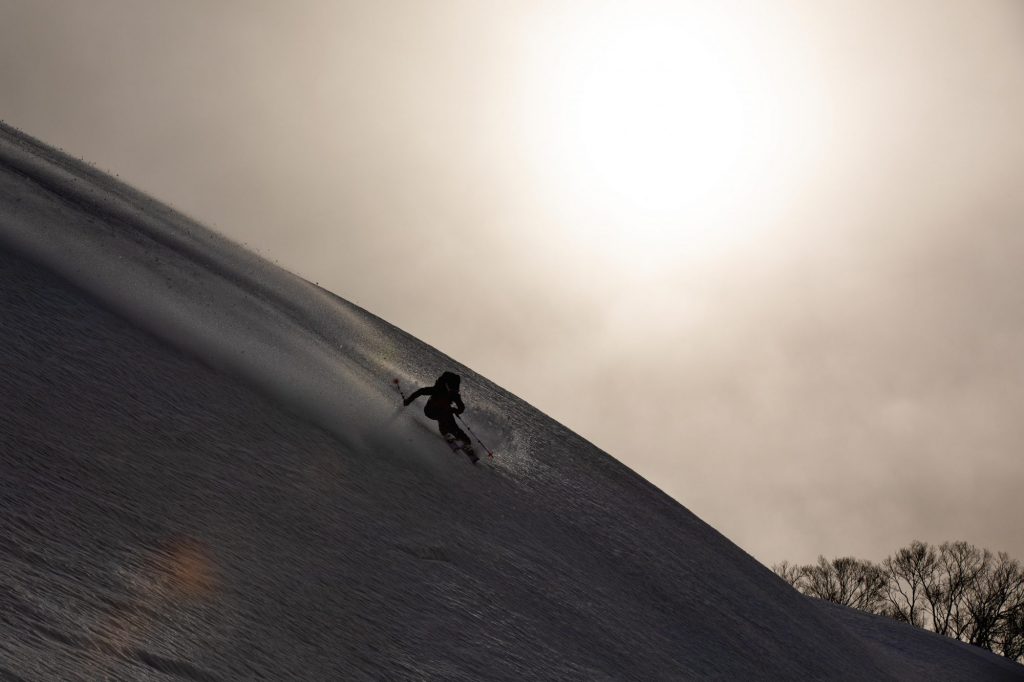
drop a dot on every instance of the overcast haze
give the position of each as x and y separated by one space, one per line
769 256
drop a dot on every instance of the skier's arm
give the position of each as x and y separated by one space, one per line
459 406
429 390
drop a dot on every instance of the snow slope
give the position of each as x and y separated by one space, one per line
206 474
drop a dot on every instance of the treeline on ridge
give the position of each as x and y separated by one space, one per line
954 589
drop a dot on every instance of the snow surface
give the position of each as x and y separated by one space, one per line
207 474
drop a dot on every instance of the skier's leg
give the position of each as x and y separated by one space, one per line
446 425
467 444
456 437
460 434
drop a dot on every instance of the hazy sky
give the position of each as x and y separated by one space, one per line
769 255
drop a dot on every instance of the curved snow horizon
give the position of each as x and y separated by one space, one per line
208 474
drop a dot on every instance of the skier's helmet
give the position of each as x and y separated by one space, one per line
451 381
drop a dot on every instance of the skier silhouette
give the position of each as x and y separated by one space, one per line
440 408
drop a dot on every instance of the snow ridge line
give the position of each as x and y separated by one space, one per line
187 285
107 197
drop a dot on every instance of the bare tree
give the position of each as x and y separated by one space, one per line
791 573
847 581
1010 637
908 572
960 566
992 600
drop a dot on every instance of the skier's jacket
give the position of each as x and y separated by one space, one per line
443 393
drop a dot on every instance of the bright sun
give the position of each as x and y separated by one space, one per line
657 123
654 120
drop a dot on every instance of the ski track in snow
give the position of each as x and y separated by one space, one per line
207 476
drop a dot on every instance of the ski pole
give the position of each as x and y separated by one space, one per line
486 449
399 387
